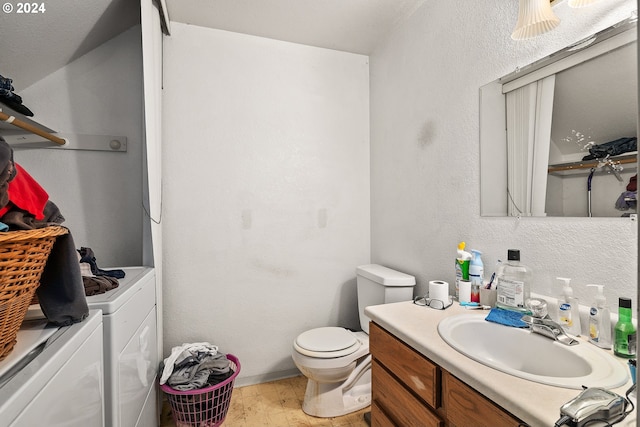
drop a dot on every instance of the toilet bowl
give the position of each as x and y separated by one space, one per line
337 363
335 360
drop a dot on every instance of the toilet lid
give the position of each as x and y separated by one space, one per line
328 340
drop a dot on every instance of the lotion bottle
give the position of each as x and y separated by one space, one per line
600 320
568 308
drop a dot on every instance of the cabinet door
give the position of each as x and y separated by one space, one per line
379 418
399 405
411 368
466 407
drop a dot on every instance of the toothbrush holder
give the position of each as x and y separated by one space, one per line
488 297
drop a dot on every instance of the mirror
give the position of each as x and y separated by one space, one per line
559 136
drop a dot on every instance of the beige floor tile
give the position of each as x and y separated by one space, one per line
298 419
274 404
277 419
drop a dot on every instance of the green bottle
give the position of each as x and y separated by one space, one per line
625 343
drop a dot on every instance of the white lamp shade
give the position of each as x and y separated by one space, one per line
535 17
581 3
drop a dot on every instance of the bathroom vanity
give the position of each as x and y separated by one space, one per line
418 379
399 373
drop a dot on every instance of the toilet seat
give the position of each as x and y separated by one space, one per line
327 342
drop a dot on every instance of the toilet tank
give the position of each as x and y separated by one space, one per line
381 285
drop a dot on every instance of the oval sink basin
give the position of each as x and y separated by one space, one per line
531 356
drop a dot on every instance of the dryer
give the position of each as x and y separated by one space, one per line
54 375
130 349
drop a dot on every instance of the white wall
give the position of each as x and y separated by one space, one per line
266 192
424 151
99 193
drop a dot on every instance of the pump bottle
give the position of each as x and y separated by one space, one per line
568 308
600 320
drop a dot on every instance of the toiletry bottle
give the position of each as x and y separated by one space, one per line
476 274
600 320
462 266
514 283
625 341
568 308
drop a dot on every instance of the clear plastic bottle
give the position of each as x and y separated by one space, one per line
514 283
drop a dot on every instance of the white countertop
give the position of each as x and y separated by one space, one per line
536 404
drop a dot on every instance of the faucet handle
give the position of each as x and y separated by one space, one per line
538 307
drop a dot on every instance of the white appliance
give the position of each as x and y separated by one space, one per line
130 349
54 376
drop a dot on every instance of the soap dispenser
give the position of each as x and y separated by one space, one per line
568 308
600 320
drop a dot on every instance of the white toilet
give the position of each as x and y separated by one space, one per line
336 360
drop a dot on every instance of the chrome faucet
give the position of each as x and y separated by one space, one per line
547 327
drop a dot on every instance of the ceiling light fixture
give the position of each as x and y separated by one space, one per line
535 17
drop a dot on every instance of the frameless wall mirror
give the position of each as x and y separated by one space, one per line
559 136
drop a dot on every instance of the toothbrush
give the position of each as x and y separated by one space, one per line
493 276
478 307
469 304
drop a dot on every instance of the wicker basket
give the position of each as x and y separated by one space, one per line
23 255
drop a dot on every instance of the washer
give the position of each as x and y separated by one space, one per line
54 375
130 349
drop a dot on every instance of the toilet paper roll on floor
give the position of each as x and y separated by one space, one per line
439 290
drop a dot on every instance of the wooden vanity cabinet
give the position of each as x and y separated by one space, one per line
410 390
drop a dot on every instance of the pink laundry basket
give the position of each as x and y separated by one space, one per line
204 407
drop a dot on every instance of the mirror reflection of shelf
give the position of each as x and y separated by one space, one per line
584 166
20 131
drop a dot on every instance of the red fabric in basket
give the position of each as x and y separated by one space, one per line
26 194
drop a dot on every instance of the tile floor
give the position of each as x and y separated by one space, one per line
274 404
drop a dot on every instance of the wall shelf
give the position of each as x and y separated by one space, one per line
20 131
584 166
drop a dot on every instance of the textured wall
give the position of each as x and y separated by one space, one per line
98 192
424 151
266 192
